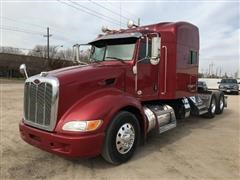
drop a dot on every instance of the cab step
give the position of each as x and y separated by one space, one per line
167 127
198 107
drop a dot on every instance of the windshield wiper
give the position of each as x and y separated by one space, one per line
116 58
81 62
92 60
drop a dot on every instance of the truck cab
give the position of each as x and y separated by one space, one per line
137 80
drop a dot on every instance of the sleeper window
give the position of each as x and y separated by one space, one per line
193 57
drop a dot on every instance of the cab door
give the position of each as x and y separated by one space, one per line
147 74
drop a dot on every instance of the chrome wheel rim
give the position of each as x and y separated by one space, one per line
125 138
213 106
221 103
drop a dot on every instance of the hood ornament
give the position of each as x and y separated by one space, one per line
43 74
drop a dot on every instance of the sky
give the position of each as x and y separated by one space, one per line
69 23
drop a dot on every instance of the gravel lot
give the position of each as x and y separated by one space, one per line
197 149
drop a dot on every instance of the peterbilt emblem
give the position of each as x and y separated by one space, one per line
37 81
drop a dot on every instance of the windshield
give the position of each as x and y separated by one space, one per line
113 50
234 81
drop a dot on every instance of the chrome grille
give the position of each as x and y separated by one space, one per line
40 102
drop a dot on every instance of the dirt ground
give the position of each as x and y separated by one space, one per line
197 149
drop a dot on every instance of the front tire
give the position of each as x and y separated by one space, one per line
122 138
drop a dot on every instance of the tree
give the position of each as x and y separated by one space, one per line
236 74
10 50
84 55
200 75
66 54
41 51
225 75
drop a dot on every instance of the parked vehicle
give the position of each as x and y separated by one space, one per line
229 86
202 86
138 80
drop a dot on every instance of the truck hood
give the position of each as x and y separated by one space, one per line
82 73
79 81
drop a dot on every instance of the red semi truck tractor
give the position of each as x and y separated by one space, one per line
137 80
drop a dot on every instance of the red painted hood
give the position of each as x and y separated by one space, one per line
77 82
82 73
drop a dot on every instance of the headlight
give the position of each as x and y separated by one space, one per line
235 87
221 86
82 126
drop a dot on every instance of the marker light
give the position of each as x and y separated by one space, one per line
82 126
105 29
131 24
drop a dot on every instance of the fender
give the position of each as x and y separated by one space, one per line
102 104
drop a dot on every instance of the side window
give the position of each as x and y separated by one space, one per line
98 53
142 51
193 57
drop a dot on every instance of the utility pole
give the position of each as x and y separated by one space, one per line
138 21
47 36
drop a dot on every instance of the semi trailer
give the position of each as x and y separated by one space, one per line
139 79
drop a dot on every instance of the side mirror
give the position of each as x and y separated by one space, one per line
218 82
81 53
23 70
155 54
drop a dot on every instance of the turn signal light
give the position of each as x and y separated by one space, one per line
82 126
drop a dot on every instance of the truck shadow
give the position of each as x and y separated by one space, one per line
184 128
155 142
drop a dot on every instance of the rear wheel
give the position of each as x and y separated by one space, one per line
220 104
212 108
122 138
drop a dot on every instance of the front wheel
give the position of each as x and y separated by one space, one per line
122 138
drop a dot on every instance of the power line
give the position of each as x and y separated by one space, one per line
63 39
129 13
22 22
31 24
91 13
84 7
15 28
113 12
19 30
